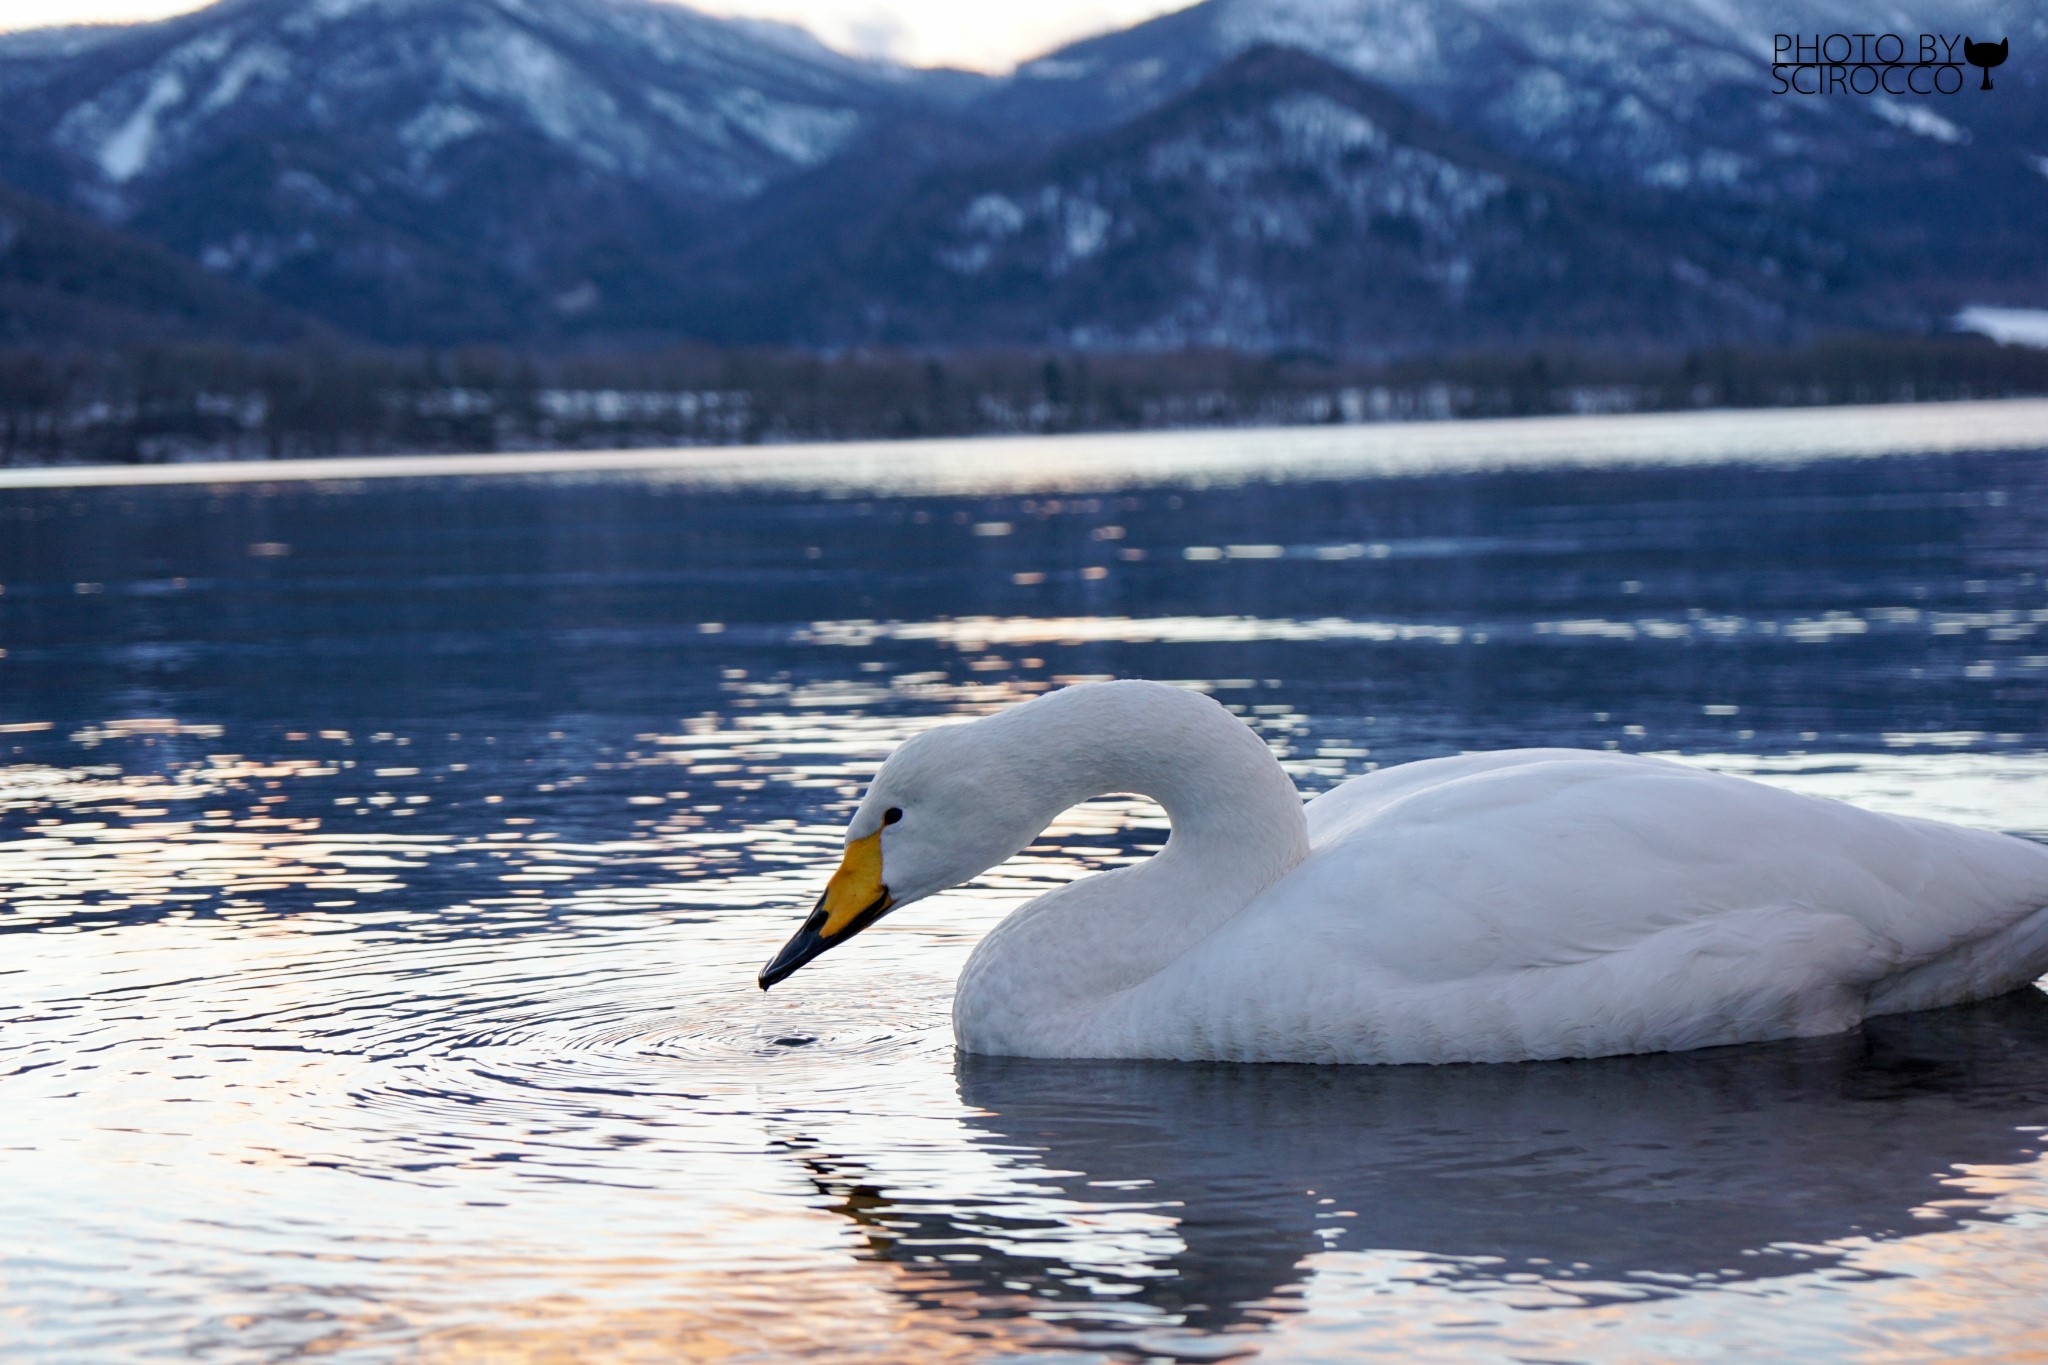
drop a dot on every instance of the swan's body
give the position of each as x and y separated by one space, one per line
1535 903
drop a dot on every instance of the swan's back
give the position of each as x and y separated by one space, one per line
1556 903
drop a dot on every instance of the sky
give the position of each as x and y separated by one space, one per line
989 35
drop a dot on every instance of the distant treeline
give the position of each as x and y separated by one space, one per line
166 403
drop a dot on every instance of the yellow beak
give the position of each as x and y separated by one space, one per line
853 899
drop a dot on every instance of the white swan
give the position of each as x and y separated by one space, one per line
1534 903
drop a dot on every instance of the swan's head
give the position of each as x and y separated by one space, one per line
946 807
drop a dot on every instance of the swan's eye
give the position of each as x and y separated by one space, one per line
892 815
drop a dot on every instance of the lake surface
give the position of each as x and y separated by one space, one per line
385 863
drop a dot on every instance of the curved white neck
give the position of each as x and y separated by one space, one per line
1237 828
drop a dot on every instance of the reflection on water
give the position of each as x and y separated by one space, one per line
1566 1185
384 868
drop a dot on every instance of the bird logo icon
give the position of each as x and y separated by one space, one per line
1985 55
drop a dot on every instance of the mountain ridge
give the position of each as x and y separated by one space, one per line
445 170
564 173
1281 203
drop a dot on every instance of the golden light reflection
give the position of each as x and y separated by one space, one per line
808 1314
501 1089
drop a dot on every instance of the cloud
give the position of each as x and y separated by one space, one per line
44 13
990 35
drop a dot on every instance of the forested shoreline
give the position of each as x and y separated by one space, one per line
164 403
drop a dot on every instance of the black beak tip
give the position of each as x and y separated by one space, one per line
810 941
807 944
780 968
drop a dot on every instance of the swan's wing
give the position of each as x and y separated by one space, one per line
1560 903
1546 857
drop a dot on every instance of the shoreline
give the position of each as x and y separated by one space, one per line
1243 452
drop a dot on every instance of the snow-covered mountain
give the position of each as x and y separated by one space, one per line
1905 203
650 92
442 168
1666 94
1281 203
547 172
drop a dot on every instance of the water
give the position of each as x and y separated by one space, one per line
385 864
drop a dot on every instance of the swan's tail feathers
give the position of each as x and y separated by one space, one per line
1979 970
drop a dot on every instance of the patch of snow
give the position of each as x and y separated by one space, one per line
802 133
1436 195
310 16
579 300
1636 118
992 215
258 62
126 153
1542 100
1271 218
1084 228
700 123
1915 118
1355 161
1455 275
1134 79
504 64
250 255
2007 326
437 125
310 191
1317 128
513 65
127 127
1672 174
1713 166
531 62
1192 156
1722 167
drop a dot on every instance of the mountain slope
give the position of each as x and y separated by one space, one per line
553 173
1910 199
1281 203
1660 93
67 282
445 169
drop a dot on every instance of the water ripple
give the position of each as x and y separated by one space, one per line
382 920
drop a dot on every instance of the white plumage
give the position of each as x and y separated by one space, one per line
1535 903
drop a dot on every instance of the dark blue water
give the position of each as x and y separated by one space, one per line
384 866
